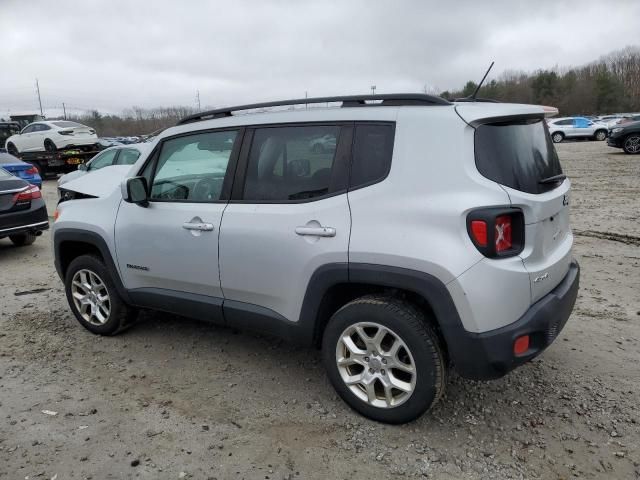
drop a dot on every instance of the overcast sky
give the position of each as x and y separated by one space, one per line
112 54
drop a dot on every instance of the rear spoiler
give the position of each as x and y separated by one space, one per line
549 111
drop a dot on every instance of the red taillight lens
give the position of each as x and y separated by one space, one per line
479 232
65 132
32 170
503 233
30 193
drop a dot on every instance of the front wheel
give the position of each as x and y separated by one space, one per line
12 150
384 359
600 135
94 299
557 137
632 143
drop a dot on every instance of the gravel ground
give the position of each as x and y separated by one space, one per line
172 398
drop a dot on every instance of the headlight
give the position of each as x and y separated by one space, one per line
616 130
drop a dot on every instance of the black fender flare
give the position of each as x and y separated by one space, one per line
93 239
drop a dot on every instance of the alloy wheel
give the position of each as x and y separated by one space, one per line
632 144
376 364
90 297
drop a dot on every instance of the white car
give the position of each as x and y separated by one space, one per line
576 127
50 136
118 155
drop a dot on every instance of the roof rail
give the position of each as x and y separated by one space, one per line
391 99
469 99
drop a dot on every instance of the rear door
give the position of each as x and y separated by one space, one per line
170 248
519 155
288 216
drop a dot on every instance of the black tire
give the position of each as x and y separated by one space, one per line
557 137
631 144
600 135
22 239
412 327
120 315
11 149
49 146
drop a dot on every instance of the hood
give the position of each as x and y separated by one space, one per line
99 183
67 177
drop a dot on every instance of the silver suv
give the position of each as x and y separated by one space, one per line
423 234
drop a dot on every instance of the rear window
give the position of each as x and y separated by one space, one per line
517 155
67 124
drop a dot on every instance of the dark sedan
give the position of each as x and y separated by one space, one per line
626 137
23 213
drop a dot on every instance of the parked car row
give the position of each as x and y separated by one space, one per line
576 127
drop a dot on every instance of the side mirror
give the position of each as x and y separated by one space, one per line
134 190
83 167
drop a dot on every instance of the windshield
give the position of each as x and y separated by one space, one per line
517 155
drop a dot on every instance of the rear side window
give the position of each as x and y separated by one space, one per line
291 163
372 152
517 155
128 156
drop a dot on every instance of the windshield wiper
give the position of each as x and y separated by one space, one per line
553 179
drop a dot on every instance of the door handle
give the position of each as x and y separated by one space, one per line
316 231
200 226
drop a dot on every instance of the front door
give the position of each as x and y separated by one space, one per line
290 217
170 247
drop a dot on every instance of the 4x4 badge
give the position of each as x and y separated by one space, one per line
565 200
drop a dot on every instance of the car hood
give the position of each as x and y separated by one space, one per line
99 183
67 177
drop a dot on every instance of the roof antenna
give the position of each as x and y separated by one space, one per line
473 97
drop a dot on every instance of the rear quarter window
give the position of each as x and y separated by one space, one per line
517 155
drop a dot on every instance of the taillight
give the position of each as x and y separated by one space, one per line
65 132
503 233
30 193
32 170
497 232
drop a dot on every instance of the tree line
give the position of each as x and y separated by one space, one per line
608 85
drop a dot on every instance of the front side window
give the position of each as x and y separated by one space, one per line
105 159
291 163
29 128
192 168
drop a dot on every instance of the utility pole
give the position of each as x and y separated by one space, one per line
39 99
373 89
198 99
306 105
64 109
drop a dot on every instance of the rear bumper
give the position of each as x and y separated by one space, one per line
490 354
33 220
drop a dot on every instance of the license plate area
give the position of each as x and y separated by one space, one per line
74 161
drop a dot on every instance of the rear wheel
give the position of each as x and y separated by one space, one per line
94 299
384 359
22 239
557 137
49 146
11 148
632 143
600 135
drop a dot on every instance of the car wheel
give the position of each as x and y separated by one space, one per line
557 137
94 299
632 144
11 149
384 359
22 239
600 135
49 146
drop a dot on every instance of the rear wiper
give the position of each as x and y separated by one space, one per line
554 179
